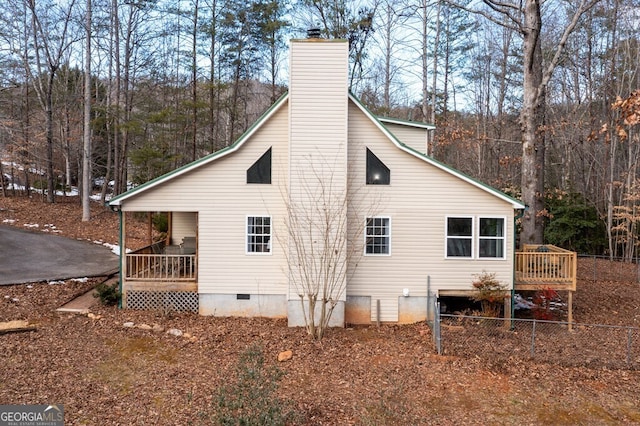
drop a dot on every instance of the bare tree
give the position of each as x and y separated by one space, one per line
320 245
525 17
86 151
50 26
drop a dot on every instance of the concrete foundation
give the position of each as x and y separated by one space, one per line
296 315
244 305
412 309
357 310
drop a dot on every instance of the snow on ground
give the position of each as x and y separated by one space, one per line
50 227
78 280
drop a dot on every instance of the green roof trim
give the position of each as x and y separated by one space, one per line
517 204
116 201
399 121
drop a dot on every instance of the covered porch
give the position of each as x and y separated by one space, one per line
163 274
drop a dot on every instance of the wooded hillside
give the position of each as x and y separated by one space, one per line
539 100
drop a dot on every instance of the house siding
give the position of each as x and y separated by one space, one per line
318 136
183 224
414 137
418 200
222 199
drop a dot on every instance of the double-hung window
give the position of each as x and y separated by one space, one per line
491 238
258 234
481 237
460 237
378 236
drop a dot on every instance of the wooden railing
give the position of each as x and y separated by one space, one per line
160 267
540 266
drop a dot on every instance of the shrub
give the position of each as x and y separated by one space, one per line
490 292
542 300
108 294
252 398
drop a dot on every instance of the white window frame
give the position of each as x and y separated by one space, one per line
476 237
387 235
247 239
503 238
458 237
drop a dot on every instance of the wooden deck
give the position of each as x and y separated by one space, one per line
545 266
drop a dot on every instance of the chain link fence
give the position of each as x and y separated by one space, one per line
598 268
500 340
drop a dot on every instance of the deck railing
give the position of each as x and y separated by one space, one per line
539 266
160 267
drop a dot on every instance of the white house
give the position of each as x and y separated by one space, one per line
245 220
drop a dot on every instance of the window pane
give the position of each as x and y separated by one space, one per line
491 248
260 171
491 227
459 247
459 227
377 172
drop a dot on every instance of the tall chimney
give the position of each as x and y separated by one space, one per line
313 33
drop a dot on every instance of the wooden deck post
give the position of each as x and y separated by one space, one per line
507 312
570 309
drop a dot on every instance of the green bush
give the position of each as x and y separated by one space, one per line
108 294
161 222
251 399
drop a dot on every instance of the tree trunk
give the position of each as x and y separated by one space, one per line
531 122
86 151
194 83
51 194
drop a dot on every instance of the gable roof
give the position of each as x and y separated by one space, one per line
118 200
378 122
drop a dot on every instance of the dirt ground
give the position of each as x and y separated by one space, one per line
104 373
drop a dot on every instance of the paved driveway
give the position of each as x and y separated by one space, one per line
30 257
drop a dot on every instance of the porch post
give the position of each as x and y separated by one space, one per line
122 253
149 228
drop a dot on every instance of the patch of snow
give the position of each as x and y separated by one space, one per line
115 249
55 282
80 280
520 302
31 225
29 286
9 221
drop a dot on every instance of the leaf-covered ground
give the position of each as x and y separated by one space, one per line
107 374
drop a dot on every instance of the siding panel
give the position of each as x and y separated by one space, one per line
414 137
418 200
218 192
